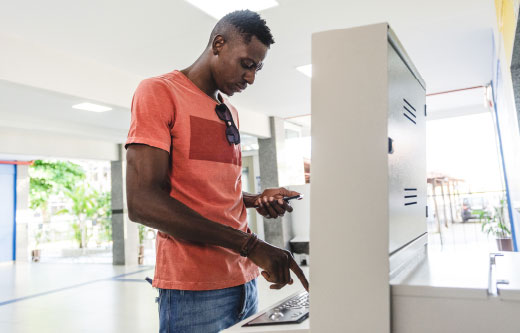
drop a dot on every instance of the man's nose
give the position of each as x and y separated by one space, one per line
250 77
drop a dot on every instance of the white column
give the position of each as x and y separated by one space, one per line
23 213
125 235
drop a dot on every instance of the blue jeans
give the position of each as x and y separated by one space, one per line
206 311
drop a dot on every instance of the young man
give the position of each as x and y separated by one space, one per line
184 179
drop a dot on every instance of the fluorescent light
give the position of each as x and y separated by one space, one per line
91 107
305 69
218 9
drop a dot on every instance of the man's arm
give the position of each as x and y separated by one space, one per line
249 199
149 203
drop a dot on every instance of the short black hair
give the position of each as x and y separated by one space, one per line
247 23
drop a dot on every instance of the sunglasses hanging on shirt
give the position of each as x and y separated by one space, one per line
232 134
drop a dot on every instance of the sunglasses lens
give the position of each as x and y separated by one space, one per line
232 134
223 112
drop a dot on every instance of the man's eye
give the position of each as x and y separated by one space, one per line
248 66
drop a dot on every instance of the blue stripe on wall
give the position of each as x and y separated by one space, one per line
15 195
494 87
7 210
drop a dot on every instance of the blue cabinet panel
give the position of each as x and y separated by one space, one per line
7 211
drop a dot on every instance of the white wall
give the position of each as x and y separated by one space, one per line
253 123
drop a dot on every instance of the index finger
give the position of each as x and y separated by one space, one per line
283 192
287 206
299 273
288 193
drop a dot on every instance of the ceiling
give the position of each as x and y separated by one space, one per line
451 43
52 112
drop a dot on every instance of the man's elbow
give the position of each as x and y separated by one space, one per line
136 212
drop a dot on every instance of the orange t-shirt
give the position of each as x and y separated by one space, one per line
171 113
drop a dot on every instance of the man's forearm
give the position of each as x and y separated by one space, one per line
249 199
156 209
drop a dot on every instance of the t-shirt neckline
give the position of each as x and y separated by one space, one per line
219 96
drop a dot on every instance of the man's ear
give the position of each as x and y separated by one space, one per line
217 44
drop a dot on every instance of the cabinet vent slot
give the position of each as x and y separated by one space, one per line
408 108
409 193
413 114
413 121
410 105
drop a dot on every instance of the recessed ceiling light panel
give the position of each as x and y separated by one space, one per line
218 9
91 107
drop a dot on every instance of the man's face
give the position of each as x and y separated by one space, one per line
236 64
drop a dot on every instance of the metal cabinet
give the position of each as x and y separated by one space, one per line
407 155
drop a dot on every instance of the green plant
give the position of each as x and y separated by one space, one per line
48 178
38 237
483 215
104 215
77 233
87 204
496 225
142 233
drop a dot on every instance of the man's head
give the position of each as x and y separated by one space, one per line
238 45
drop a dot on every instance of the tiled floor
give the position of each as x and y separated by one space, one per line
76 298
461 237
44 297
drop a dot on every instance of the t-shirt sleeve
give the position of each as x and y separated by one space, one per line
153 114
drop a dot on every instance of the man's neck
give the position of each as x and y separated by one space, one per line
200 74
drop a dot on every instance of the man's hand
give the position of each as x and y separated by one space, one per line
276 264
270 203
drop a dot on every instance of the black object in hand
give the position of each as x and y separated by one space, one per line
298 197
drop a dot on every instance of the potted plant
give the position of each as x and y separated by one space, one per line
497 226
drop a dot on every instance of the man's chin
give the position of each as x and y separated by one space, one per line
228 93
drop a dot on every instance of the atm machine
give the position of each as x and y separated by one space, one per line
368 157
371 271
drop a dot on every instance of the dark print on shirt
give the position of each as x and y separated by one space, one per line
208 142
